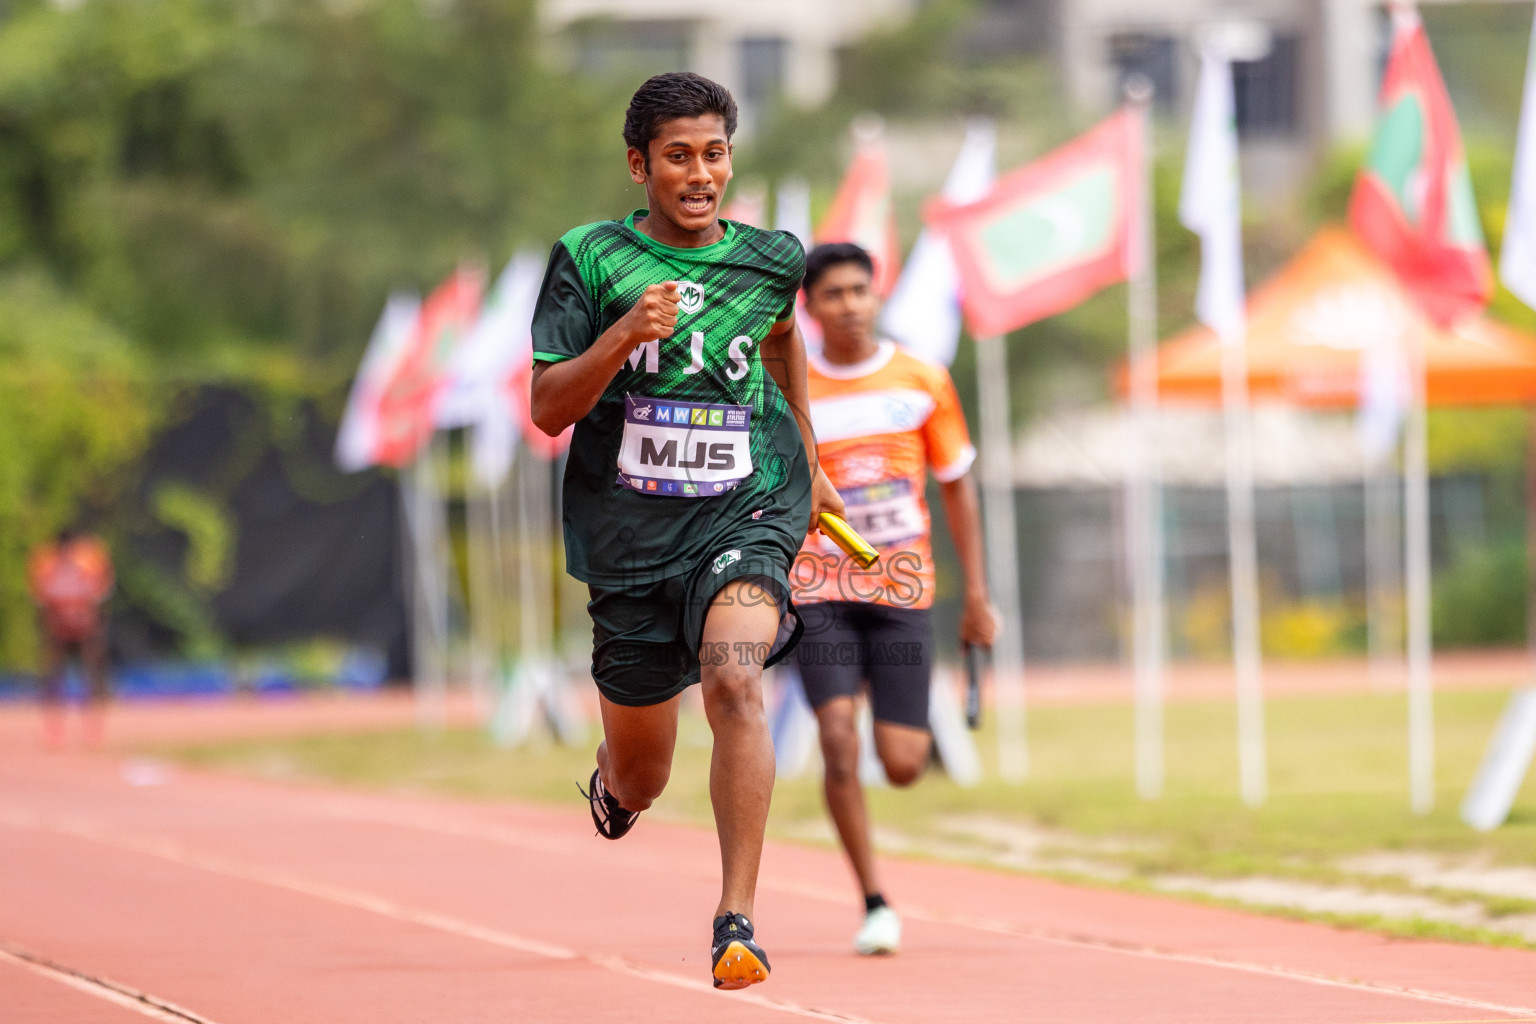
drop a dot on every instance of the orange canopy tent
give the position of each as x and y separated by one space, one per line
1309 325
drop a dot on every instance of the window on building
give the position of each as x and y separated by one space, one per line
1154 56
1265 91
630 49
762 70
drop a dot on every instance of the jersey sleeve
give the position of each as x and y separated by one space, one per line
794 273
945 436
564 321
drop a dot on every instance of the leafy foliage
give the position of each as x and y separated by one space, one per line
198 191
74 416
208 190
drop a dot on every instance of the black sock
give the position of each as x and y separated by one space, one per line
873 903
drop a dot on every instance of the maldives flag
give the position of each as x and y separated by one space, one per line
861 211
1413 201
408 406
1050 234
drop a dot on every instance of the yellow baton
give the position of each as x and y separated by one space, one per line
847 538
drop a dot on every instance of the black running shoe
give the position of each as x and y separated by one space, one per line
738 960
612 821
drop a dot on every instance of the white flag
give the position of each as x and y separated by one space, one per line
357 439
1517 264
792 209
923 313
1211 203
503 333
472 376
792 213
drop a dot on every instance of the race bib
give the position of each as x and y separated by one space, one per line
684 449
885 513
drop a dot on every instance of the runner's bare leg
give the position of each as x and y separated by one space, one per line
741 625
635 757
904 753
837 723
51 691
93 664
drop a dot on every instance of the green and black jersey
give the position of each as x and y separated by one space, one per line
692 436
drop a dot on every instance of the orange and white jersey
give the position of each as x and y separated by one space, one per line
881 425
69 584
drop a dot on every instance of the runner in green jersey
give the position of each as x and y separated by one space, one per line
669 340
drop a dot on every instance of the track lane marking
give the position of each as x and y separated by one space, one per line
510 837
347 810
105 989
179 853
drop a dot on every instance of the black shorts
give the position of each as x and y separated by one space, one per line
847 643
646 638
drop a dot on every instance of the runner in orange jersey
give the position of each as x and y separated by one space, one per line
70 580
884 419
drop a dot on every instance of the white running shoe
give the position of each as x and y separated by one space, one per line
881 933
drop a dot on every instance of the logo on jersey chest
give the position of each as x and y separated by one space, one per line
690 297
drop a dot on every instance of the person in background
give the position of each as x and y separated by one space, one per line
70 581
884 420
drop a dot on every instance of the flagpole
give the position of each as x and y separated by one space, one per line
1243 564
1211 205
419 495
484 619
1421 734
1143 484
1383 487
434 517
1530 537
1000 528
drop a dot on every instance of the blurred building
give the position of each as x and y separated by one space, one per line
762 50
1305 72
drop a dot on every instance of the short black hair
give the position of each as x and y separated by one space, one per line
824 257
668 97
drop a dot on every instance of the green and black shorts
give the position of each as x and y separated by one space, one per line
646 638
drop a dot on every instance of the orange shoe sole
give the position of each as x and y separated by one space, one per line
739 968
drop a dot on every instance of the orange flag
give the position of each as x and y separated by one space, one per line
862 212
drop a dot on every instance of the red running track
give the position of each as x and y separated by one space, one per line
226 901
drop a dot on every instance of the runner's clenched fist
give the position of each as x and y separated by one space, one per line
654 314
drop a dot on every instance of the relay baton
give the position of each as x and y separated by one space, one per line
847 538
973 686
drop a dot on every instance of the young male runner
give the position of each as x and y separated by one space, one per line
883 419
691 480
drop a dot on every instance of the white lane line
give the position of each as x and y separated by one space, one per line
178 853
1246 967
150 1006
540 844
1146 952
507 836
